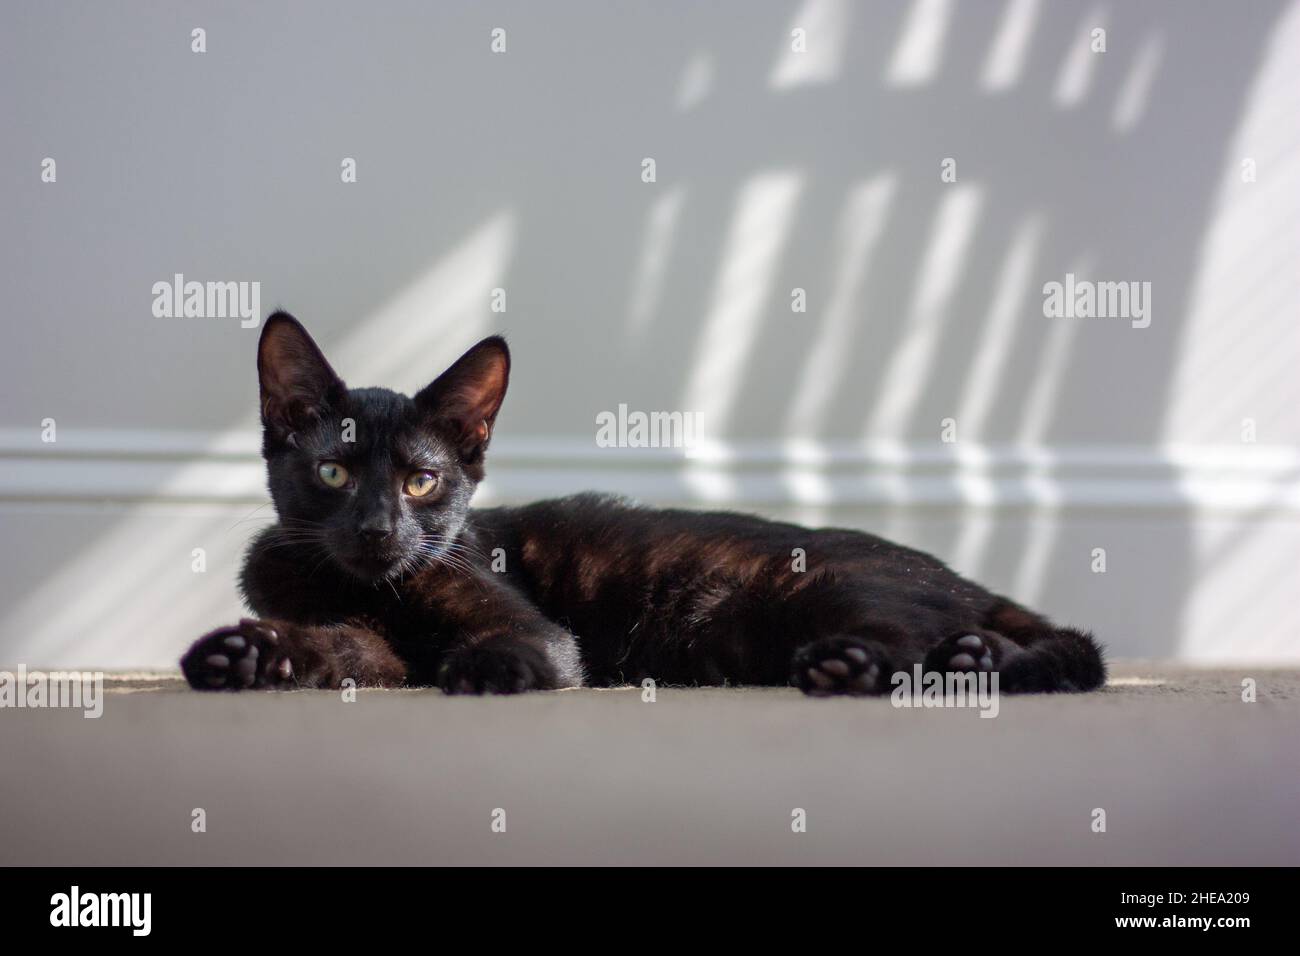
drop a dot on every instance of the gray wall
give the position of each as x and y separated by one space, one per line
775 170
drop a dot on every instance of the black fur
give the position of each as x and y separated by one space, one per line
369 582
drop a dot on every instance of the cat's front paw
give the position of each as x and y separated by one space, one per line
250 654
840 665
496 668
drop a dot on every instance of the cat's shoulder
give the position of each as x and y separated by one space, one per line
602 499
587 503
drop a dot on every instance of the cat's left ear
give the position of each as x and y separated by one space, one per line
466 397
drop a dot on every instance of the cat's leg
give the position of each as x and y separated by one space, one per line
834 639
277 654
821 636
1029 653
1063 660
543 658
818 635
504 644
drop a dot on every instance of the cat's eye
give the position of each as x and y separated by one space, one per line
420 483
332 473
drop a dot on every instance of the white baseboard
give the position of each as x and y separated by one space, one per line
174 466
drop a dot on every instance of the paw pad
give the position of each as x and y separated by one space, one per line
238 657
837 665
962 654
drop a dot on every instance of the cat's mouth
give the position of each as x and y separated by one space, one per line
371 564
374 563
368 569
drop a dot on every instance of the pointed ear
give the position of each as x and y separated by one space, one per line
297 384
466 397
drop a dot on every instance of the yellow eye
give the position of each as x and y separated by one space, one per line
332 473
420 483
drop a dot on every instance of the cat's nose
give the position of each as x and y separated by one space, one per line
375 529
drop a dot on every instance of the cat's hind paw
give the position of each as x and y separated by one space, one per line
840 665
962 654
247 655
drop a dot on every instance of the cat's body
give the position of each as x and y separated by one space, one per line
583 590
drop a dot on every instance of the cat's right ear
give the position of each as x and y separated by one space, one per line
296 382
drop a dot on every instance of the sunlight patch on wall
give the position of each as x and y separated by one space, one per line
1234 384
987 379
709 484
410 338
696 83
859 231
920 48
1043 395
922 332
135 590
825 24
1136 91
1080 62
1241 341
1241 607
1039 406
751 255
973 540
651 270
995 345
1036 555
1006 57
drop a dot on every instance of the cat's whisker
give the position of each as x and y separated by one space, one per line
446 554
251 516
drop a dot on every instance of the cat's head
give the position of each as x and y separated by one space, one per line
375 481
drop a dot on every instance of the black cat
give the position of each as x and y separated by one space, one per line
379 571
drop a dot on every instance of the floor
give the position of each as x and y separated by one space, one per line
1185 771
